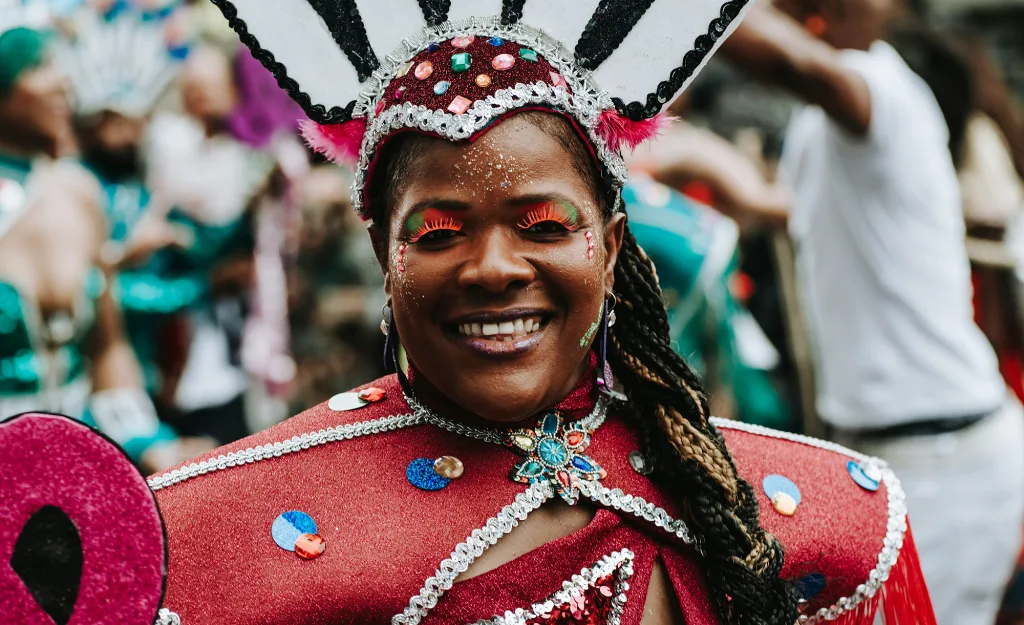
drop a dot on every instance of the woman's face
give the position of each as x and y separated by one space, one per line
37 106
497 262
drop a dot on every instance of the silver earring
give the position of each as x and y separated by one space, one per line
385 323
611 309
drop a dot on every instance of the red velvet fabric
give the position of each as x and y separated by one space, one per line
385 537
50 460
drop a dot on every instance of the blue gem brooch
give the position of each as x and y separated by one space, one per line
553 452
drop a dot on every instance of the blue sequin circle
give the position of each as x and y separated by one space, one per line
810 586
773 484
421 474
861 478
288 526
441 86
496 41
552 451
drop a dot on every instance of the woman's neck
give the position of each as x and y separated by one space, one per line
578 403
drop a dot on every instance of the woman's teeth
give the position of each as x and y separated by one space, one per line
506 330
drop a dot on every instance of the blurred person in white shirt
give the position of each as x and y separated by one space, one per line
903 372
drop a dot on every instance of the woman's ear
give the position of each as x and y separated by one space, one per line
614 231
379 240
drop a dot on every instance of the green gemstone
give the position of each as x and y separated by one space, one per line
461 61
532 469
528 54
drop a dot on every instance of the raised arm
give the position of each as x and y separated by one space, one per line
775 48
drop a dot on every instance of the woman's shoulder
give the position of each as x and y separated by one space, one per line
841 519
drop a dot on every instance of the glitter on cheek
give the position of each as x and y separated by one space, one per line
400 261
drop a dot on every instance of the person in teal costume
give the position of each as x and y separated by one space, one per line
694 249
62 347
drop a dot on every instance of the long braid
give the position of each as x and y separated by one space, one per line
743 561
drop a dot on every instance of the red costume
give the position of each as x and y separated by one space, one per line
392 549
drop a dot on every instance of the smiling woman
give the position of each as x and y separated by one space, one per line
544 456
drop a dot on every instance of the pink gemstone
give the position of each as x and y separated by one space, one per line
424 70
463 41
557 80
503 62
563 477
309 546
459 105
372 394
400 93
380 107
606 591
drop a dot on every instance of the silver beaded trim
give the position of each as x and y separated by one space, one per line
619 563
585 103
467 552
166 617
281 448
638 507
896 527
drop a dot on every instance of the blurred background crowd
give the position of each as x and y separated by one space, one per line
190 272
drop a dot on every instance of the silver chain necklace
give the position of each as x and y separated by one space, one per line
590 422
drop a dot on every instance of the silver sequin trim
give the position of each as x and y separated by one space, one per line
166 617
585 103
467 552
281 448
638 507
617 563
895 529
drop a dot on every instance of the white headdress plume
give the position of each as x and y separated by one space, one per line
121 62
24 13
614 65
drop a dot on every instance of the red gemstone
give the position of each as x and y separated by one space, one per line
563 478
574 438
380 107
309 546
372 394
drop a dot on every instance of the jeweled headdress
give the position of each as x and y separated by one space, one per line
122 56
365 69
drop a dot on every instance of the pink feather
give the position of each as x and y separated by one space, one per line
340 143
619 131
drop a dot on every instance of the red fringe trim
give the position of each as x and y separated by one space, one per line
903 598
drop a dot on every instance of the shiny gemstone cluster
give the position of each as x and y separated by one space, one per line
554 453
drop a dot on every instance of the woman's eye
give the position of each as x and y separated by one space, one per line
437 236
436 231
547 227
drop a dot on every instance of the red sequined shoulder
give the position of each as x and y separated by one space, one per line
842 522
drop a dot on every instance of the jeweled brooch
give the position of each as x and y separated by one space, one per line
553 451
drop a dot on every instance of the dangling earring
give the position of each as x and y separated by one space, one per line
387 328
604 371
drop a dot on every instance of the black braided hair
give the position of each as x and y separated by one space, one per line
743 561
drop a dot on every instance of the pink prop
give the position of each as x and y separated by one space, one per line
50 460
619 131
340 143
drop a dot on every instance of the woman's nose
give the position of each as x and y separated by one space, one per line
496 264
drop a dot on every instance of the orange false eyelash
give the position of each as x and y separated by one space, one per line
444 223
566 216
